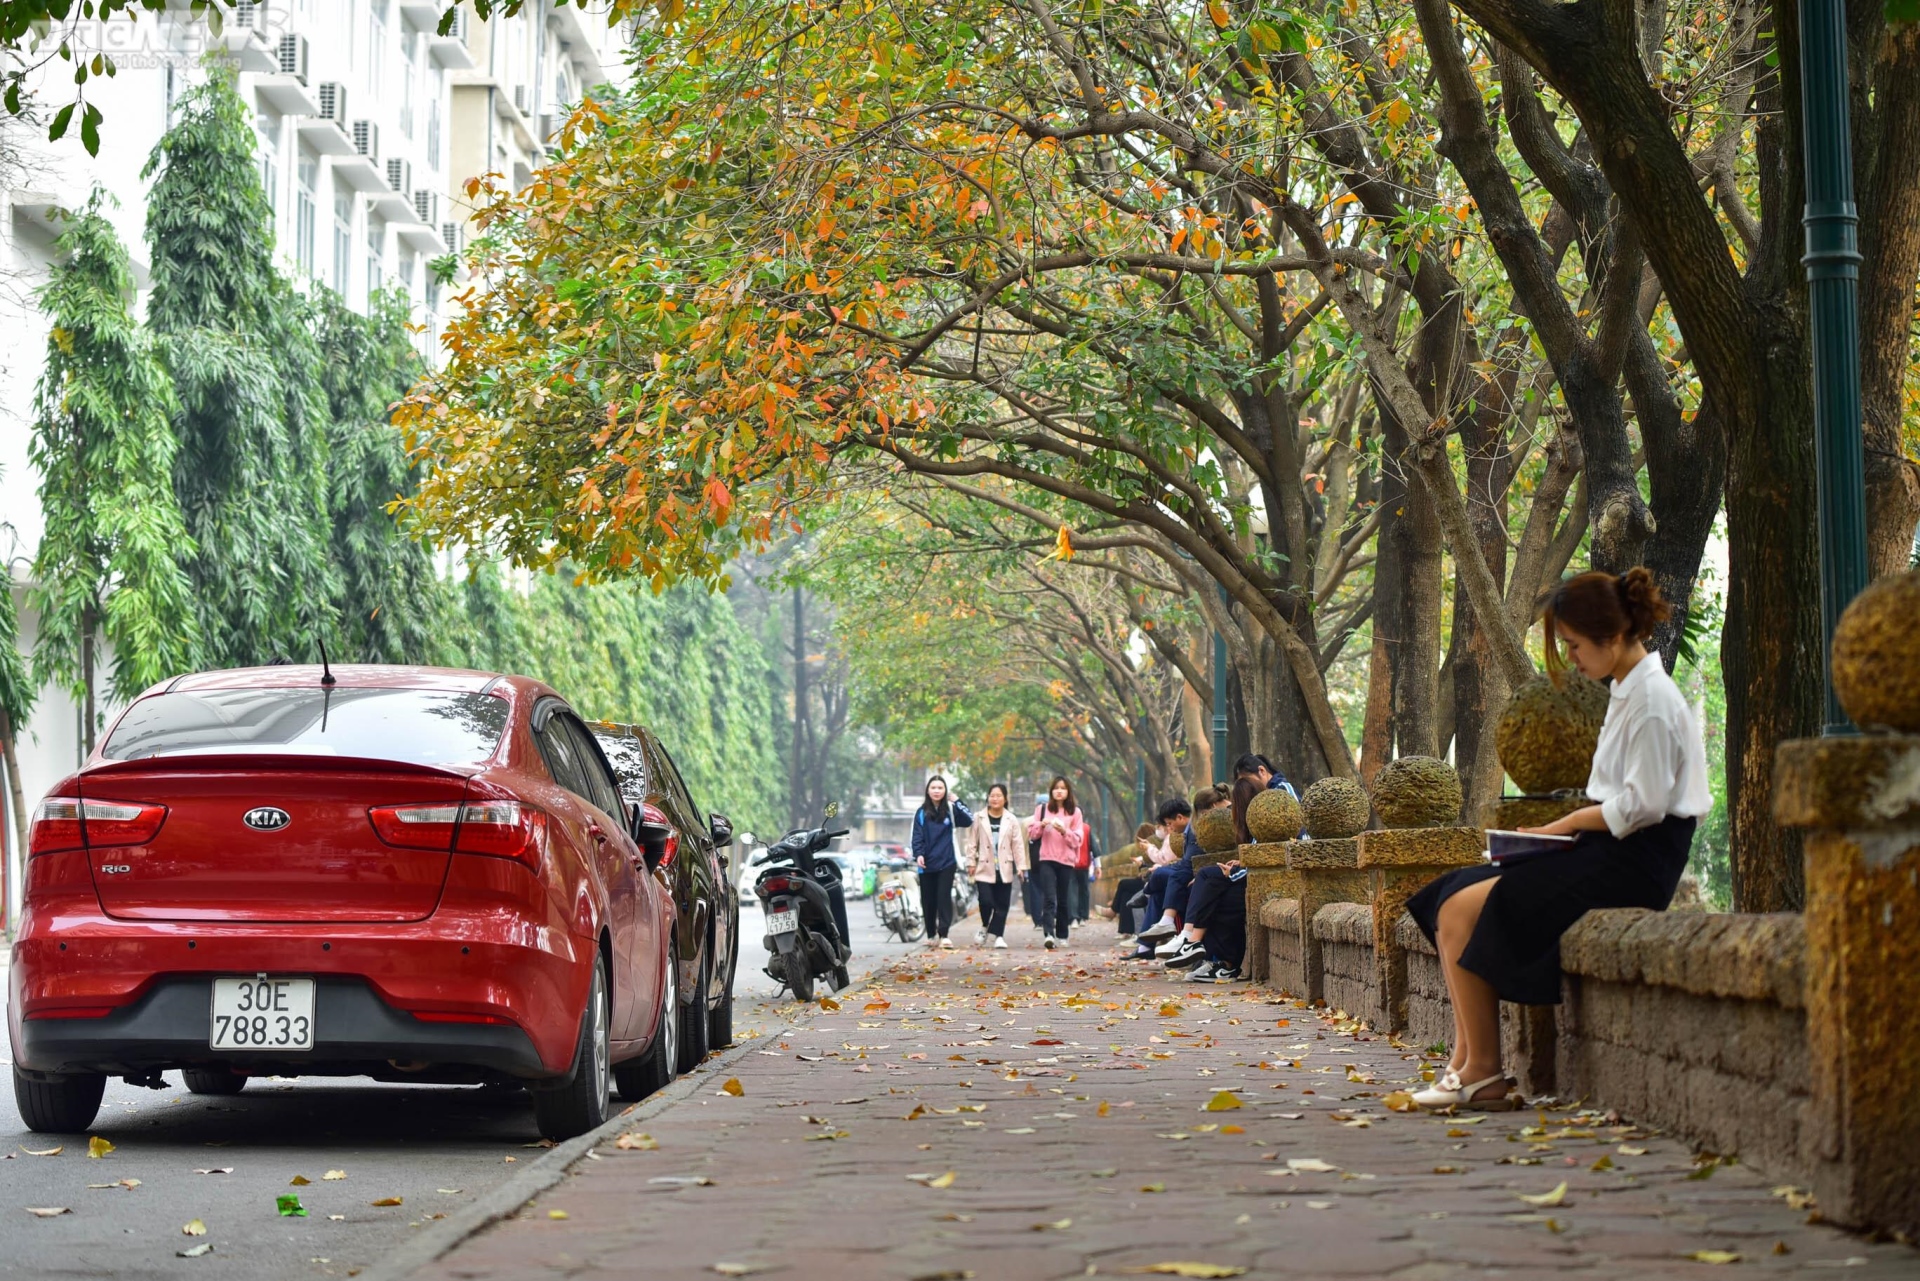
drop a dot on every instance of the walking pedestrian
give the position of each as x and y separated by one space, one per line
1062 832
996 848
1497 929
933 832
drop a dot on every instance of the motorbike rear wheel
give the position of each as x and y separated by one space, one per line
799 974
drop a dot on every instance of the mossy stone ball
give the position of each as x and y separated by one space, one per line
1214 830
1275 815
1336 808
1876 656
1546 737
1417 791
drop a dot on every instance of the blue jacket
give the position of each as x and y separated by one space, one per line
933 837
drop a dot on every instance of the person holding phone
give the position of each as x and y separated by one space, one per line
1497 929
934 824
1062 830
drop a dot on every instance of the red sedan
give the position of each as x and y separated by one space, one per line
412 874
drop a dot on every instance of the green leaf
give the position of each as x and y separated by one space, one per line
90 129
1903 10
62 118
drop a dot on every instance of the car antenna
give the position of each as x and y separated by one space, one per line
326 672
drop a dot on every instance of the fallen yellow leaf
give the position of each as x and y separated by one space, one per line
1604 1163
1399 1101
45 1151
1224 1101
334 1176
1058 1225
732 1086
387 1200
633 1141
944 1181
556 1214
98 1147
1233 1129
828 1003
1171 1011
299 1181
47 1211
1712 1256
193 1228
1103 1109
1555 1197
1202 1270
1153 1187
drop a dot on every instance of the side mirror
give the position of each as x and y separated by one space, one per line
722 828
655 841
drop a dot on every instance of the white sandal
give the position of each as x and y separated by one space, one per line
1448 1092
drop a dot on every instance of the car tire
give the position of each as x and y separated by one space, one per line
61 1104
720 1022
655 1070
213 1081
799 974
566 1111
693 1019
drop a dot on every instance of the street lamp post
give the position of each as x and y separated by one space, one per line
1832 261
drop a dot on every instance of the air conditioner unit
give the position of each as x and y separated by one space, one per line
366 138
399 174
248 15
453 235
550 122
333 102
522 99
426 203
458 30
293 57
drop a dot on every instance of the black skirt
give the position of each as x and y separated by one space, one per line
1516 943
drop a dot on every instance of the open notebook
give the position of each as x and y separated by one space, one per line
1507 848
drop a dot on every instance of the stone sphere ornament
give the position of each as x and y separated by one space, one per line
1876 656
1214 830
1336 808
1417 791
1546 737
1275 815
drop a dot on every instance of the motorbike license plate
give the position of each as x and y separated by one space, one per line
262 1014
783 922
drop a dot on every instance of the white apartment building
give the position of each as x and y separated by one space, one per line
370 124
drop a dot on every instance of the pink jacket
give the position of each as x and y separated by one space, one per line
977 847
1058 846
1161 853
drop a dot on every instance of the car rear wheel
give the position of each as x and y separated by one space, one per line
693 1022
581 1104
213 1081
60 1104
656 1069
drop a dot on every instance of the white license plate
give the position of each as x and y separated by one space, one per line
262 1014
783 922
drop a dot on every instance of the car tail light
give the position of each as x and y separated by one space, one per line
775 885
69 823
501 829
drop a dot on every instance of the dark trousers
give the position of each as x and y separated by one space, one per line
1218 904
1082 894
936 901
1056 897
1122 903
1030 894
995 898
1160 888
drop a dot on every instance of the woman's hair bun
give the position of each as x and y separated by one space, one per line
1642 602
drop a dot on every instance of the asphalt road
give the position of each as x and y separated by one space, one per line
224 1161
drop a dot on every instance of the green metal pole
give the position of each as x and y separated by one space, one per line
1832 261
1140 789
1219 707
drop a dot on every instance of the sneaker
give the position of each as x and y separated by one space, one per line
1048 943
946 944
1202 973
1160 931
1190 953
999 940
979 938
1141 954
1225 974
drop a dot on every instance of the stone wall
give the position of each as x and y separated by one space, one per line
1350 976
1280 922
1429 1012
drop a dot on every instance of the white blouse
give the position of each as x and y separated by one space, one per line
1651 761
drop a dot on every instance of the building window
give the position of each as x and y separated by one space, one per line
433 132
409 72
306 173
342 241
376 43
269 131
409 263
376 256
172 89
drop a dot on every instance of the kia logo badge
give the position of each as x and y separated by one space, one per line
266 818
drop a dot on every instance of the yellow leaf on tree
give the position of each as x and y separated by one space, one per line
1218 12
1398 112
732 1086
1224 1101
98 1147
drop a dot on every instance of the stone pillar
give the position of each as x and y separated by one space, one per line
1511 812
1859 801
1319 873
1397 863
1267 878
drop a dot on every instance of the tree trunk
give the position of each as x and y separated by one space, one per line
1417 550
18 803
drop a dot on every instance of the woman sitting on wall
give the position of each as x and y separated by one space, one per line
1497 930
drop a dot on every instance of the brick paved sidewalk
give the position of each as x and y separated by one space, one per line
1023 1114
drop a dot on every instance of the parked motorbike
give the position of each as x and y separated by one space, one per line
896 901
801 894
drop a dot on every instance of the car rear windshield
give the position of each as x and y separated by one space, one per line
418 726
